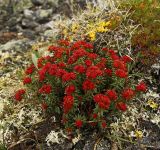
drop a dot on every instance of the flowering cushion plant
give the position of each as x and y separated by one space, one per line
81 87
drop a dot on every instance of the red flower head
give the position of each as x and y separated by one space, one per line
80 68
115 57
18 95
30 69
108 72
27 80
88 46
79 53
61 65
119 65
94 116
92 55
78 123
68 103
126 58
104 124
121 73
102 63
43 71
141 87
60 72
52 70
88 85
102 100
88 62
105 49
93 71
71 60
111 52
128 94
63 42
45 89
112 94
69 89
121 106
40 62
68 76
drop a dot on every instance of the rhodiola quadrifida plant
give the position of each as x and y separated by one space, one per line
83 89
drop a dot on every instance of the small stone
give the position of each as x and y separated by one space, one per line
29 34
43 15
14 20
16 45
39 29
22 5
53 3
29 24
48 33
29 14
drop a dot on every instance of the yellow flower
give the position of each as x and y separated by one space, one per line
108 23
102 24
138 134
152 104
101 29
74 27
90 26
92 35
65 32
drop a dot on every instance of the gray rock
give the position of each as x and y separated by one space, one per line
14 20
39 29
43 15
49 25
53 3
48 33
16 45
29 14
38 2
29 24
30 34
22 5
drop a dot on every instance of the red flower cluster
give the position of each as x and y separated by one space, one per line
78 123
70 89
19 95
68 76
119 64
121 73
92 72
30 69
102 100
68 103
121 106
45 89
88 85
80 68
94 116
88 62
104 124
108 72
128 94
27 80
83 82
126 59
141 87
112 94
